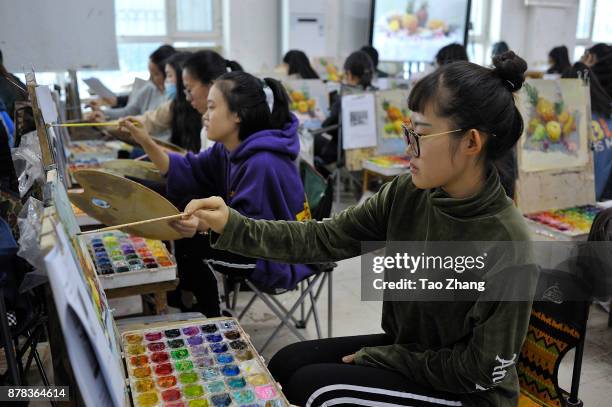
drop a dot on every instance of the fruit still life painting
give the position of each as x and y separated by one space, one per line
551 125
301 101
415 19
556 125
393 118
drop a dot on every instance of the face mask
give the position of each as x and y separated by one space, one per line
170 90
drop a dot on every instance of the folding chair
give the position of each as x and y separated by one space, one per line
319 193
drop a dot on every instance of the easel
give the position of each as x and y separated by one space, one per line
33 327
560 187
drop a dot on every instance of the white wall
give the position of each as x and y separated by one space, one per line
354 26
532 31
346 25
253 28
251 33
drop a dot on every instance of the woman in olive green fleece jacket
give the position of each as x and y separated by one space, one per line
431 353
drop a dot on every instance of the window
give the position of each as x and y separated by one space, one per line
594 25
143 25
484 30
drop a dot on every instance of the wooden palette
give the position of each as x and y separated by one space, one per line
131 168
114 200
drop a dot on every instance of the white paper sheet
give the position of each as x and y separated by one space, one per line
93 352
47 105
99 88
358 121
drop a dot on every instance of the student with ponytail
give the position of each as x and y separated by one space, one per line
431 353
197 72
252 166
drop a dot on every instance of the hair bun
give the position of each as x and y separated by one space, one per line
511 69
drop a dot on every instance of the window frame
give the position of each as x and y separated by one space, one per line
215 36
484 38
587 42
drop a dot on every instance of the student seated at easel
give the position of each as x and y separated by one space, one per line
148 97
176 115
431 353
251 165
198 72
297 66
359 71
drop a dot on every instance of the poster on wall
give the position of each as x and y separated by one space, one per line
391 112
414 30
556 125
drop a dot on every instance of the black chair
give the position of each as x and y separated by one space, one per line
556 325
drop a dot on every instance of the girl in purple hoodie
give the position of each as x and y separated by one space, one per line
252 166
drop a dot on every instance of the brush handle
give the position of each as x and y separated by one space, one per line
141 222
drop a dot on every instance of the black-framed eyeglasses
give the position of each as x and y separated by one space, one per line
412 139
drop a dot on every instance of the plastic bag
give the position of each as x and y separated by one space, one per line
27 159
29 222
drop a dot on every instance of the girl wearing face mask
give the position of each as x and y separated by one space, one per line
251 165
431 353
149 96
176 114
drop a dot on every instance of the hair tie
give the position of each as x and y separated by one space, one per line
269 96
512 87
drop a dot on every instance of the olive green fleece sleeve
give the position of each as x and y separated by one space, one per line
483 361
309 242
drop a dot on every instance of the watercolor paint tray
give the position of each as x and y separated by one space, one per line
388 165
202 362
93 149
564 224
123 260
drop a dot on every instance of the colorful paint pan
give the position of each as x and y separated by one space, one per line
205 365
191 331
117 252
163 369
153 336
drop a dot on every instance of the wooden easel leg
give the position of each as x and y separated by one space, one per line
161 302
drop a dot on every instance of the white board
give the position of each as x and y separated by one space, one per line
58 35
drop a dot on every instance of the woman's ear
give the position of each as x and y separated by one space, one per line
236 118
474 142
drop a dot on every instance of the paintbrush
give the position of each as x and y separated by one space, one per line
91 124
141 222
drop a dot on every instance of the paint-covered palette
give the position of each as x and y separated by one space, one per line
574 221
211 363
123 260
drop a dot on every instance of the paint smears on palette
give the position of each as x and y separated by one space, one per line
123 260
571 221
209 364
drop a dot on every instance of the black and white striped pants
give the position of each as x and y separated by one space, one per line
312 374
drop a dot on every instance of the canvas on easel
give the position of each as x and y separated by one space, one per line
556 125
45 146
556 182
308 97
391 113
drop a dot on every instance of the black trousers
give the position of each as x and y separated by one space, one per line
312 374
196 275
